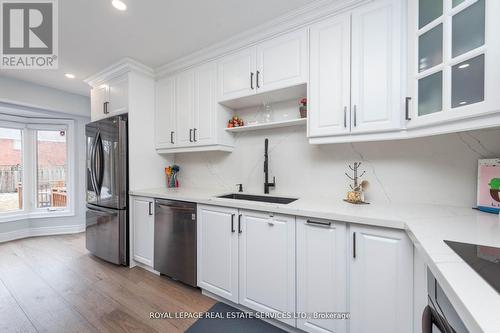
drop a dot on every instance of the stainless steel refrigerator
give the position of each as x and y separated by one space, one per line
107 189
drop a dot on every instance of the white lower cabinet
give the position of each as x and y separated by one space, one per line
275 263
218 251
267 263
381 283
142 225
321 273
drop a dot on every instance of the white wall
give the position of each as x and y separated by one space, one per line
434 170
29 94
146 167
52 103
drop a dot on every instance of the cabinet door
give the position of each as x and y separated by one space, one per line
321 273
381 283
267 263
184 103
205 104
142 230
377 103
237 75
282 62
329 87
98 95
217 247
165 120
118 95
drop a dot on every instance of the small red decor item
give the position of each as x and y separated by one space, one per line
235 122
303 108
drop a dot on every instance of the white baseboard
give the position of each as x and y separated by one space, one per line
42 231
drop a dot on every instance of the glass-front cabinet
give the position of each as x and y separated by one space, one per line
453 60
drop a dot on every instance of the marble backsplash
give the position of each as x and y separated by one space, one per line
432 170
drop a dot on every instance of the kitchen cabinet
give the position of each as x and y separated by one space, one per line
321 273
274 64
110 98
381 280
184 105
330 77
454 72
165 122
188 117
237 74
142 229
217 247
267 263
355 80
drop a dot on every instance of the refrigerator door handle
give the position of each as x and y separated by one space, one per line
99 163
92 166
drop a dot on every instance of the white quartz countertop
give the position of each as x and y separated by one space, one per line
477 303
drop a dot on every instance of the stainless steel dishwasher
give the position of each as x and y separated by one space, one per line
175 240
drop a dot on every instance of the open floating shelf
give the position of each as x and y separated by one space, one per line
276 124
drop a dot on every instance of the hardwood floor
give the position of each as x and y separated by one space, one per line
52 284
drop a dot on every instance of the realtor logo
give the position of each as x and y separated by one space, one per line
28 34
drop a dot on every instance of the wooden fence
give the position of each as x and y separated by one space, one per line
10 177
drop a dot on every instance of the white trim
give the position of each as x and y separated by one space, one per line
41 231
124 66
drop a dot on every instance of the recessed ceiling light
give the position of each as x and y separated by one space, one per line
118 4
69 75
463 66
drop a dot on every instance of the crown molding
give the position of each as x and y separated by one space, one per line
296 19
121 67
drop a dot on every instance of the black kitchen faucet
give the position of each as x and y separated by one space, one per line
267 184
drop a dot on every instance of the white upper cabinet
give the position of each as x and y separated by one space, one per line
381 280
267 263
237 74
376 97
454 73
110 98
329 87
321 273
282 62
217 246
356 76
98 96
274 64
184 106
205 104
188 117
165 122
118 95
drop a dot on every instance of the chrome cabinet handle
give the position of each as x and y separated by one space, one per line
232 223
190 135
194 135
317 223
258 86
407 108
105 105
345 116
239 224
150 208
172 137
251 80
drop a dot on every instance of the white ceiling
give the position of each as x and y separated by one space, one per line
93 34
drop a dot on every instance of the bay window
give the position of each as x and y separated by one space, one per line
36 161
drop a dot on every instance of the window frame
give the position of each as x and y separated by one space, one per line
29 126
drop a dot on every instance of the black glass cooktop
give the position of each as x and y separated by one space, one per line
485 260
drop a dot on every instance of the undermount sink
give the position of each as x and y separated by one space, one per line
261 198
